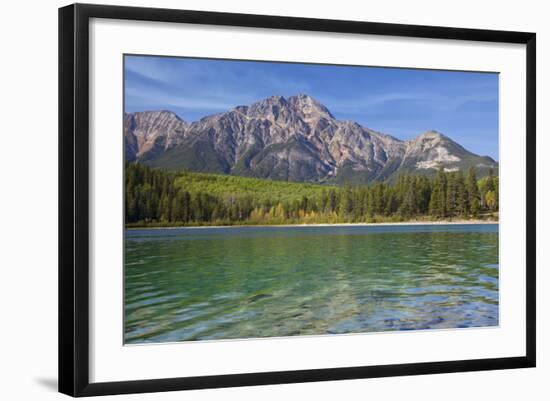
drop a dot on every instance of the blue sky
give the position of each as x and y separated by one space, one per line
400 102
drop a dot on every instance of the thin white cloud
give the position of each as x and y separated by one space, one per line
436 101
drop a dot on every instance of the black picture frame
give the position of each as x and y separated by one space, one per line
74 198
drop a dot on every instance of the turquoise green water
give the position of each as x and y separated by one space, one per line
246 282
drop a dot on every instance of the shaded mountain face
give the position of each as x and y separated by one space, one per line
291 139
149 134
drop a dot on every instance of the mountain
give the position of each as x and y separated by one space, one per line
290 139
149 134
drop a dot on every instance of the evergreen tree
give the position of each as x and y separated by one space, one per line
451 195
438 198
391 203
346 202
490 199
378 199
472 191
461 195
410 197
156 196
496 186
332 200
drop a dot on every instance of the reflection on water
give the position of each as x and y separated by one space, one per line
246 282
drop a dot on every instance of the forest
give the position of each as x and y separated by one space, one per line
155 197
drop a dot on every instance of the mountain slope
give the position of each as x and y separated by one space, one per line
290 139
149 134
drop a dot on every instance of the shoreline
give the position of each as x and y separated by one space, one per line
405 223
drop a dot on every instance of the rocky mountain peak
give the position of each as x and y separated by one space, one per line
428 138
150 133
270 102
308 107
156 117
277 110
269 107
431 134
241 109
294 138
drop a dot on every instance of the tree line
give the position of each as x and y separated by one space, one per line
156 197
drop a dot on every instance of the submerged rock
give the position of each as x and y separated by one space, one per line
257 297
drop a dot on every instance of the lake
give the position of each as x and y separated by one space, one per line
249 282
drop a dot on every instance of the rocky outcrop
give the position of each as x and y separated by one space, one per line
149 134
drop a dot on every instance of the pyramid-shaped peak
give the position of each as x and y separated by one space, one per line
156 117
268 103
275 99
432 134
309 106
304 99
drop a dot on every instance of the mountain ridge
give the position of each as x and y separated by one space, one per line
291 139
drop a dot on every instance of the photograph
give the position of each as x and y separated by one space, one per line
277 199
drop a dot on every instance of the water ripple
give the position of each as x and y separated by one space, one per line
193 284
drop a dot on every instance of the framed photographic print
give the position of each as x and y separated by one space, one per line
249 199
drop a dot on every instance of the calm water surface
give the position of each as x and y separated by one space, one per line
243 282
